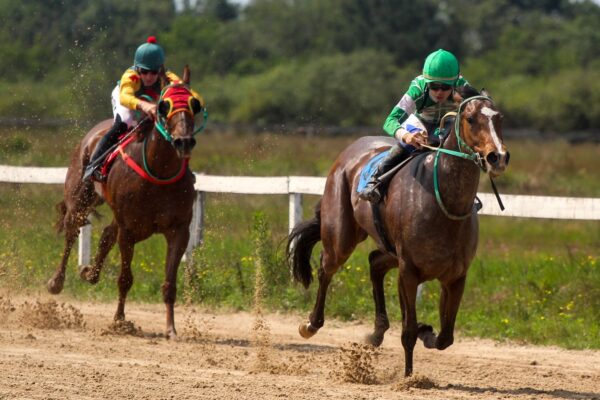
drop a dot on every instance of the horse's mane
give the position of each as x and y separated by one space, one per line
467 91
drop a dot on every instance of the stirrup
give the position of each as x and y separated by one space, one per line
371 193
89 171
95 172
98 176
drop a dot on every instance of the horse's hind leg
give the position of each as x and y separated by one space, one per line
340 234
80 199
327 268
108 239
56 283
69 222
337 247
126 244
380 263
451 296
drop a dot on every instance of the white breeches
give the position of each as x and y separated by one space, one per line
127 115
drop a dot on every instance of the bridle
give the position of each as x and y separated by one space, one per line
180 99
465 152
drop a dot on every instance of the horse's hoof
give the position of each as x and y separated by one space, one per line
374 339
307 330
119 317
55 286
425 333
86 273
171 335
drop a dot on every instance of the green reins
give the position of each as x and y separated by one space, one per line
469 155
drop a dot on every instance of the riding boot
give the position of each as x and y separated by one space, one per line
108 140
372 192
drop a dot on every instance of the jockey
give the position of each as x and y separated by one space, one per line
418 113
135 97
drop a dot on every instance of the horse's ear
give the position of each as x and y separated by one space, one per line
456 97
186 75
485 93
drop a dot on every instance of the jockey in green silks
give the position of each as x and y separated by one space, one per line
414 119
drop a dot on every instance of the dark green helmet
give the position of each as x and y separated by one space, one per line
149 55
441 66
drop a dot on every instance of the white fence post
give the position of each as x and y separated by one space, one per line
196 226
295 211
85 244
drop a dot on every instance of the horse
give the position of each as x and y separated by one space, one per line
429 226
149 188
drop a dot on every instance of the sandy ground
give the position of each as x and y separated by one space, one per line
54 348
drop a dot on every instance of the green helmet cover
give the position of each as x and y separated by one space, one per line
441 66
149 55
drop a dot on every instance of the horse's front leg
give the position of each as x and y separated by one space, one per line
108 239
379 264
451 295
177 240
126 245
449 303
407 290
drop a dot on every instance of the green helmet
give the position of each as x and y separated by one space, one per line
441 66
149 55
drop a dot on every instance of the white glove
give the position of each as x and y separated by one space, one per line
415 139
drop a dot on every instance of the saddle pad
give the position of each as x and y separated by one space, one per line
108 160
369 169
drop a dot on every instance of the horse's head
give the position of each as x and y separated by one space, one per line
177 108
479 126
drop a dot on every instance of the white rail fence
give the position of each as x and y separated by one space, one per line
297 186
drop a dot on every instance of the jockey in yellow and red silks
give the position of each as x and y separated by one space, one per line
135 96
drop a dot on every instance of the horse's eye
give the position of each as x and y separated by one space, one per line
470 120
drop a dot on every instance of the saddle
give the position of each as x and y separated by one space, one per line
104 168
438 136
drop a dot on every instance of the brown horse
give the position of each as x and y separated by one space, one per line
160 202
429 220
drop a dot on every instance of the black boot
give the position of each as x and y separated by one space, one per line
108 140
371 192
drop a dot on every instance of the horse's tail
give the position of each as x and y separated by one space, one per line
300 244
61 208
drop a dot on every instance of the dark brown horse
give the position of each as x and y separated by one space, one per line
432 232
159 203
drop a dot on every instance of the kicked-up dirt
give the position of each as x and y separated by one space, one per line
58 348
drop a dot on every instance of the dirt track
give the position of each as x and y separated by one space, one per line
79 355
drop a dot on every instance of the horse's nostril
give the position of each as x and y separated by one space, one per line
507 158
492 158
185 144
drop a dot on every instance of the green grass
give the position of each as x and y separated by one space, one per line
533 280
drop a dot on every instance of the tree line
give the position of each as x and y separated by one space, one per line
305 62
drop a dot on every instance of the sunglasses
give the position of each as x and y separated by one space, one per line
147 71
439 86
